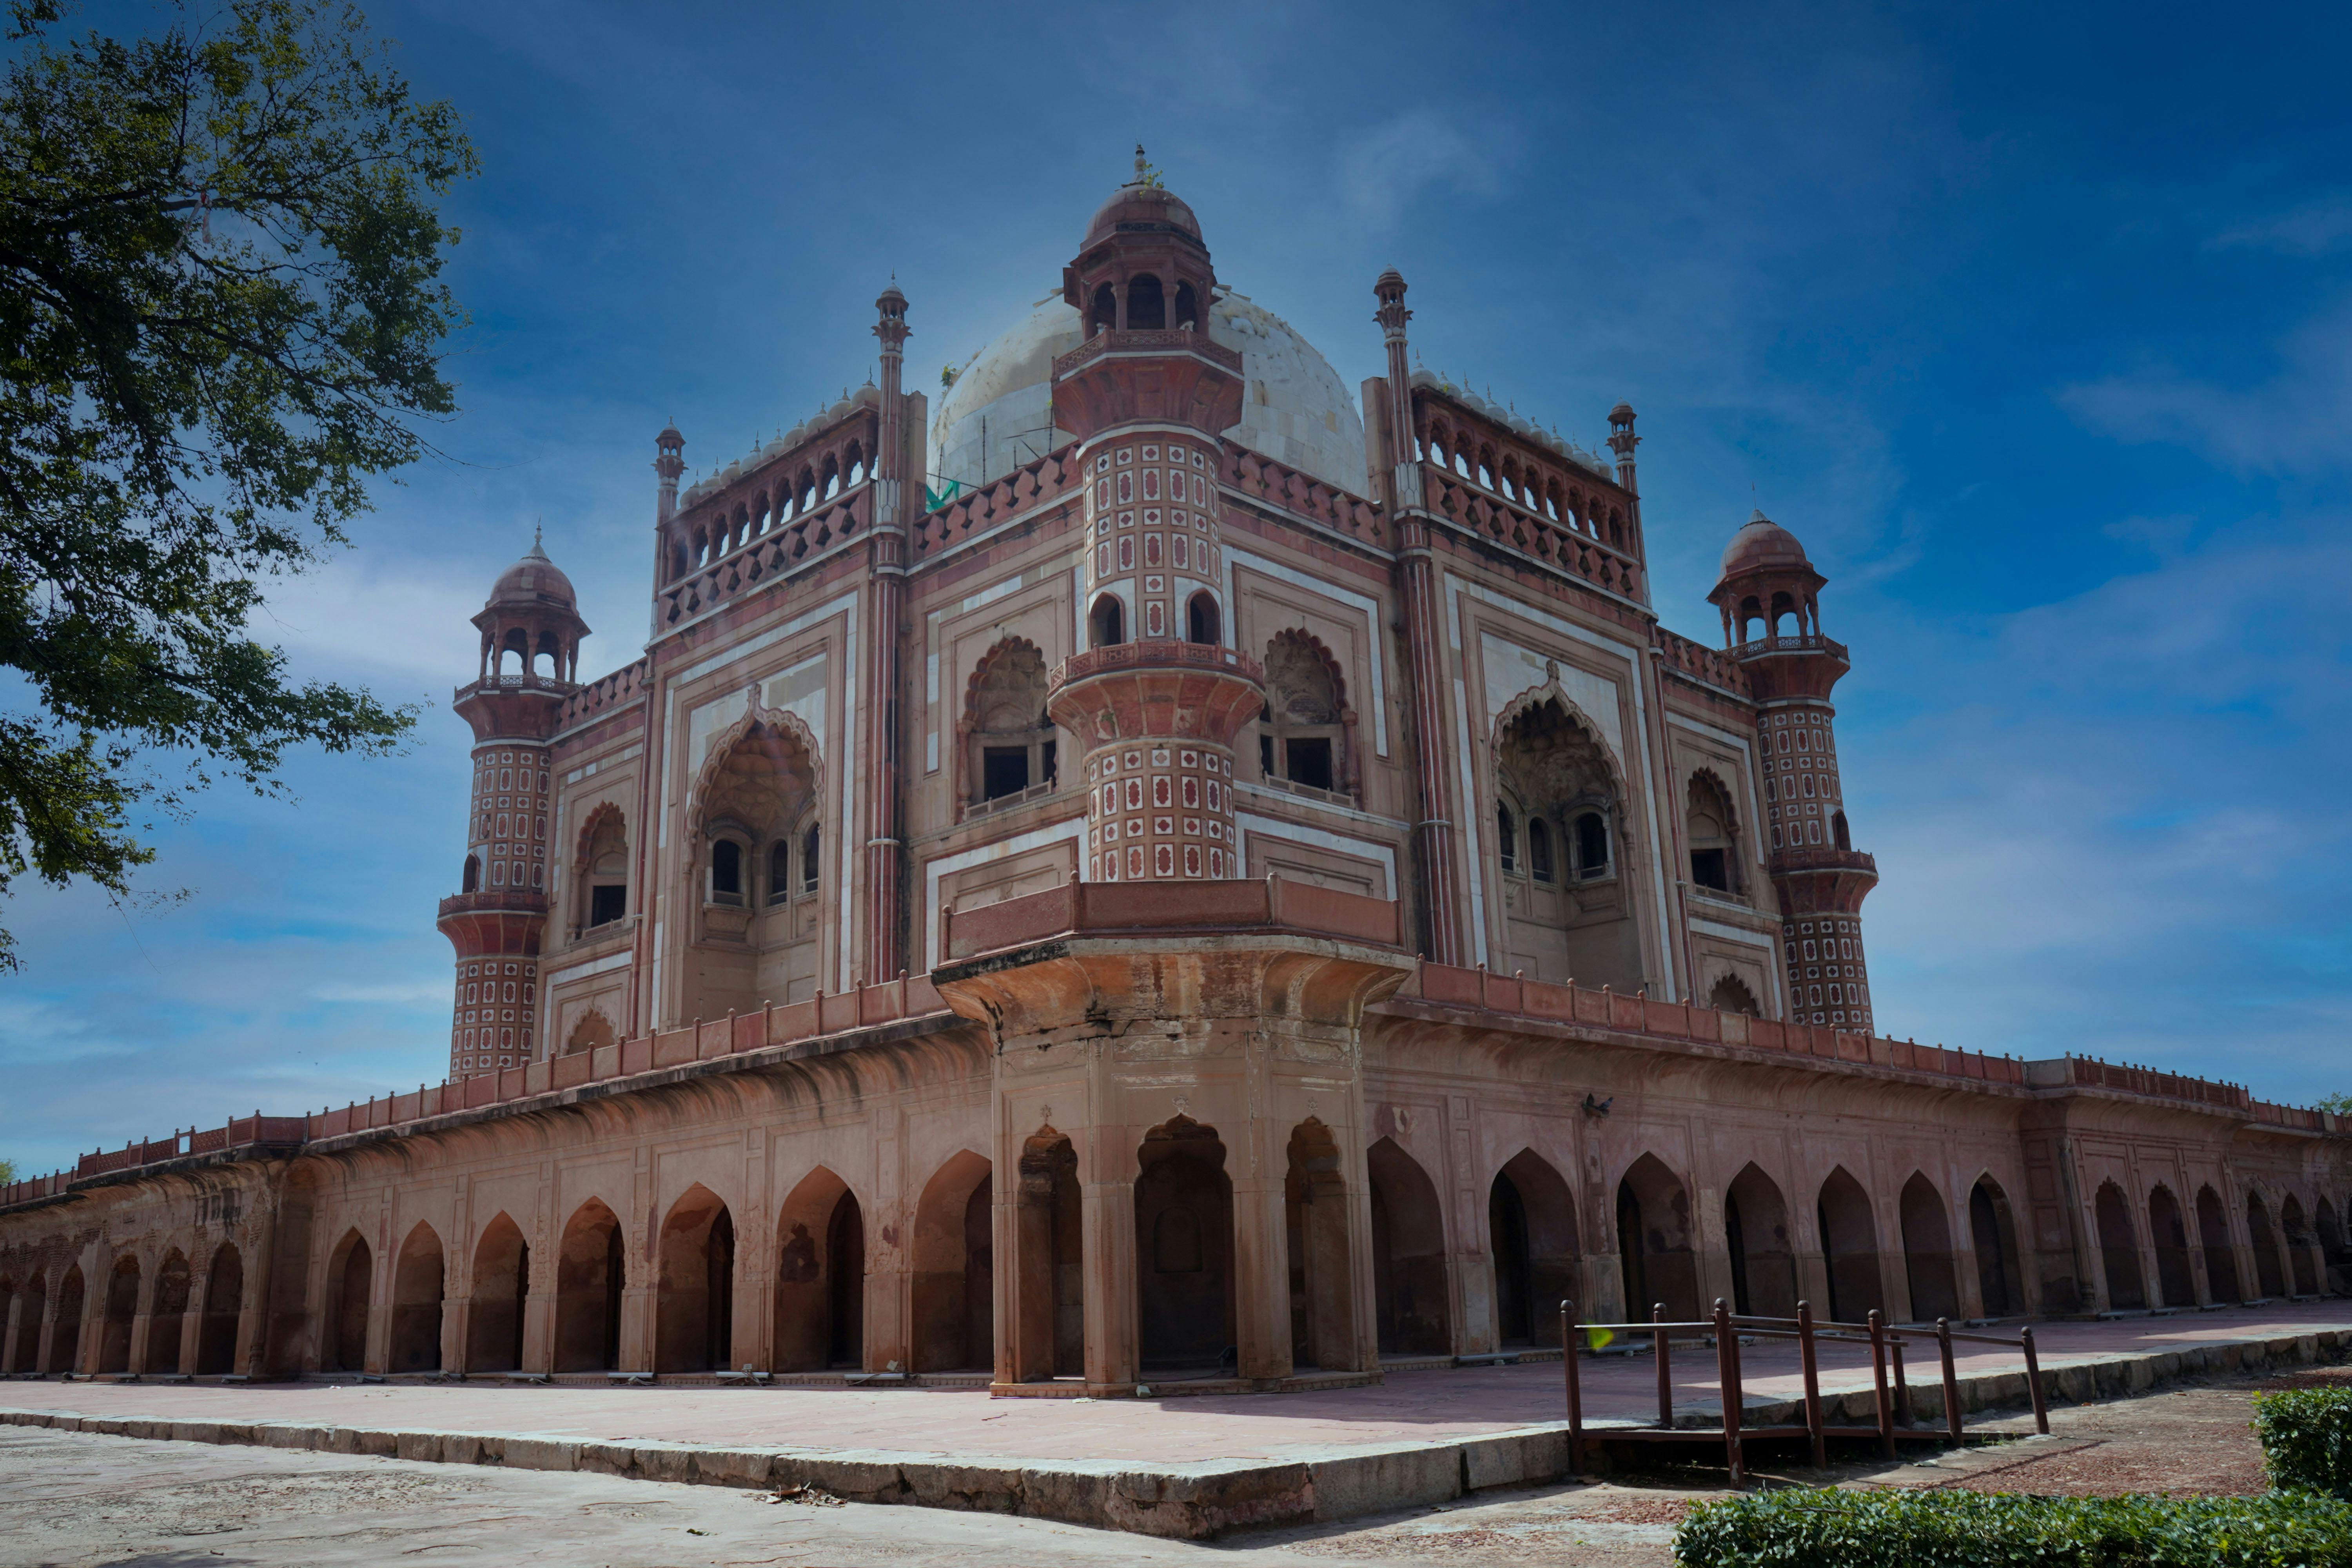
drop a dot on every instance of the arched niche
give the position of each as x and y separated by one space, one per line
1928 1264
1534 1243
1757 1234
694 1274
820 1276
501 1298
416 1288
953 1262
1655 1259
1185 1249
1409 1284
591 1273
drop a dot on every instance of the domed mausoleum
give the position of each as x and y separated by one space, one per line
1158 871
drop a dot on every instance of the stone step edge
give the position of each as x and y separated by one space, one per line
1186 1502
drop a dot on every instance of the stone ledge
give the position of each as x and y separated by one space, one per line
1186 1502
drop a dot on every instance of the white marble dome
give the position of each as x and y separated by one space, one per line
1295 408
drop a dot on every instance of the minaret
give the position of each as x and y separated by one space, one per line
885 944
1767 586
1159 694
496 920
1433 832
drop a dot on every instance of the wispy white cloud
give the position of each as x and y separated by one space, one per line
1385 171
2317 228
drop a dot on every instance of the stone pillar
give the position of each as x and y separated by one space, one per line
192 1321
638 1304
10 1331
1108 1211
885 943
538 1309
1258 1164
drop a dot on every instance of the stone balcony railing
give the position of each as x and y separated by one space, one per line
1154 653
1762 647
767 556
1147 340
495 900
608 691
1821 858
1550 541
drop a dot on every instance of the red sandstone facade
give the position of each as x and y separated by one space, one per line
1168 869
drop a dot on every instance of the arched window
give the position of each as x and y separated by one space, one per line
1591 845
1146 306
602 867
780 871
1200 619
1839 831
472 879
1012 745
1506 839
1106 622
1539 864
726 871
809 862
1105 314
1303 734
1707 817
1188 309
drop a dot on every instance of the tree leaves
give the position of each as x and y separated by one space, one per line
221 315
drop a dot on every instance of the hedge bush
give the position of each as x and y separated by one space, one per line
1802 1528
2306 1437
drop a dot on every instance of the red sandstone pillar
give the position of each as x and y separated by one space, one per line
885 943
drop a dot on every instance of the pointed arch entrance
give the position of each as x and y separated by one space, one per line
1322 1273
1655 1255
27 1354
1048 1337
1409 1288
1849 1248
494 1325
2221 1256
591 1272
166 1318
2304 1278
693 1272
953 1260
65 1326
223 1304
820 1277
1184 1248
417 1285
1533 1241
2267 1274
122 1308
2173 1278
351 1275
1927 1263
1763 1255
2118 1248
2000 1282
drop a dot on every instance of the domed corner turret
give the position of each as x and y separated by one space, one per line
1143 265
1766 578
532 615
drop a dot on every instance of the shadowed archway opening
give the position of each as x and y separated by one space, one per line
1927 1263
2119 1249
223 1304
590 1269
1654 1259
694 1312
65 1326
2174 1277
2267 1274
1533 1240
2331 1244
953 1260
1185 1249
1048 1338
27 1353
1321 1274
167 1317
2304 1278
820 1276
416 1288
1849 1248
351 1273
1408 1255
2221 1256
122 1308
1994 1234
502 1294
1763 1257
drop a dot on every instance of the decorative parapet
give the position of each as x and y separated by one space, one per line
774 554
495 901
1765 646
1260 479
622 686
869 1007
1711 666
1788 862
977 511
1517 528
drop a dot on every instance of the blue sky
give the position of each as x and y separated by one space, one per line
2035 325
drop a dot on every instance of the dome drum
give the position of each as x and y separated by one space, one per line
1163 377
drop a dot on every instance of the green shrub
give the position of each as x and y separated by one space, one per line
1801 1528
2306 1437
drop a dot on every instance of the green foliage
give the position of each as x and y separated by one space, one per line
2335 1104
221 314
2307 1436
1828 1529
7 1172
